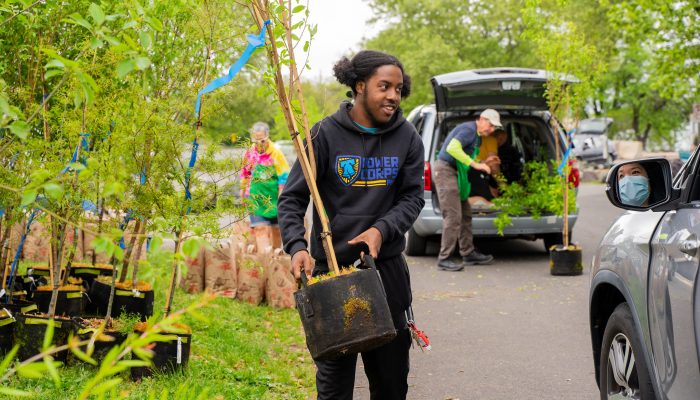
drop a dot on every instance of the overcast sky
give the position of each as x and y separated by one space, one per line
342 24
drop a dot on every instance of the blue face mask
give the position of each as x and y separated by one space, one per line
634 190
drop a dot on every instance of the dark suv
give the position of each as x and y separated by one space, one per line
518 95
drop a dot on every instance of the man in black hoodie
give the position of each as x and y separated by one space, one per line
369 163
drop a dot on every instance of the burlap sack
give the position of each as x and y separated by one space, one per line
220 273
251 277
280 283
193 280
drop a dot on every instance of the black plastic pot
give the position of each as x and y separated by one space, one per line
170 356
21 306
7 325
345 314
28 285
70 303
565 261
30 330
125 301
103 344
88 273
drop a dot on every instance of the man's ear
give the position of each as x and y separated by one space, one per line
360 87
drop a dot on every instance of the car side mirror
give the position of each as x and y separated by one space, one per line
640 184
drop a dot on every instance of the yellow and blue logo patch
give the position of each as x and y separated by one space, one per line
367 171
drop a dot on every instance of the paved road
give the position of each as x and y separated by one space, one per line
509 330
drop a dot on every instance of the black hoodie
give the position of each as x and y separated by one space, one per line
364 180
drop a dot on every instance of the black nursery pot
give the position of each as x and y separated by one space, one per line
345 314
30 330
565 261
88 273
28 285
69 303
21 306
125 301
170 356
7 325
103 344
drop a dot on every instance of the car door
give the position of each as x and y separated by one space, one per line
672 291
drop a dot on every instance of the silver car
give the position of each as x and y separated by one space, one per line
644 295
518 95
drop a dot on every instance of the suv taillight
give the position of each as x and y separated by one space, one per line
574 173
427 182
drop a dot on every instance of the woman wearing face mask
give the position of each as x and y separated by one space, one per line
633 185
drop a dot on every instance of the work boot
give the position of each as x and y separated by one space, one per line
476 258
449 265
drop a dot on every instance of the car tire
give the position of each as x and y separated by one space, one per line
550 239
623 370
415 243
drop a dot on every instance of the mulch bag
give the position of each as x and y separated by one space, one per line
251 277
280 283
193 281
220 274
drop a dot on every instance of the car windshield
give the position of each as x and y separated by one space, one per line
592 126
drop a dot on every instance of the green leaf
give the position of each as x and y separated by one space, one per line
14 392
55 63
54 190
20 129
145 39
191 247
32 371
96 43
51 367
125 67
8 359
84 357
97 14
48 336
297 9
77 19
52 72
155 23
28 197
113 41
142 62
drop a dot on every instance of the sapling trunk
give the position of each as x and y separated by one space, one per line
129 250
135 268
261 13
71 254
5 251
173 277
55 271
108 317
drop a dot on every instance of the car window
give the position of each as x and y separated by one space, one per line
689 179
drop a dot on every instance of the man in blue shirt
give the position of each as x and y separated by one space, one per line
461 146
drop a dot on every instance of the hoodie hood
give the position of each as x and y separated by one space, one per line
342 118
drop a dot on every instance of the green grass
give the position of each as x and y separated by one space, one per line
240 352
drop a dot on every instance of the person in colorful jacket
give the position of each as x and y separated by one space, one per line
263 176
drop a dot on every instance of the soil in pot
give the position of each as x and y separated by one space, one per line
127 299
169 356
70 300
104 342
38 271
88 272
30 330
7 324
565 260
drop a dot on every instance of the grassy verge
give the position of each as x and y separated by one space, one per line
239 352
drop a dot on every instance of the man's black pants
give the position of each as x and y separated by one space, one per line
386 368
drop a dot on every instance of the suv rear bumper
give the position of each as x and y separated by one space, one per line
429 223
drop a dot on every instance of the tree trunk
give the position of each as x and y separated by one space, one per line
645 135
129 250
135 269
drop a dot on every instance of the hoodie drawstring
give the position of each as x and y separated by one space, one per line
364 157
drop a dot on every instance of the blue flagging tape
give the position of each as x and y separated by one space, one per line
560 170
254 42
82 144
15 260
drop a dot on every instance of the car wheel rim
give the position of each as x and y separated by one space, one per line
622 370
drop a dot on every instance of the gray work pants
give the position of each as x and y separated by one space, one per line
456 214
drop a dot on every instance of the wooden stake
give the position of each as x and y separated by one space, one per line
260 14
